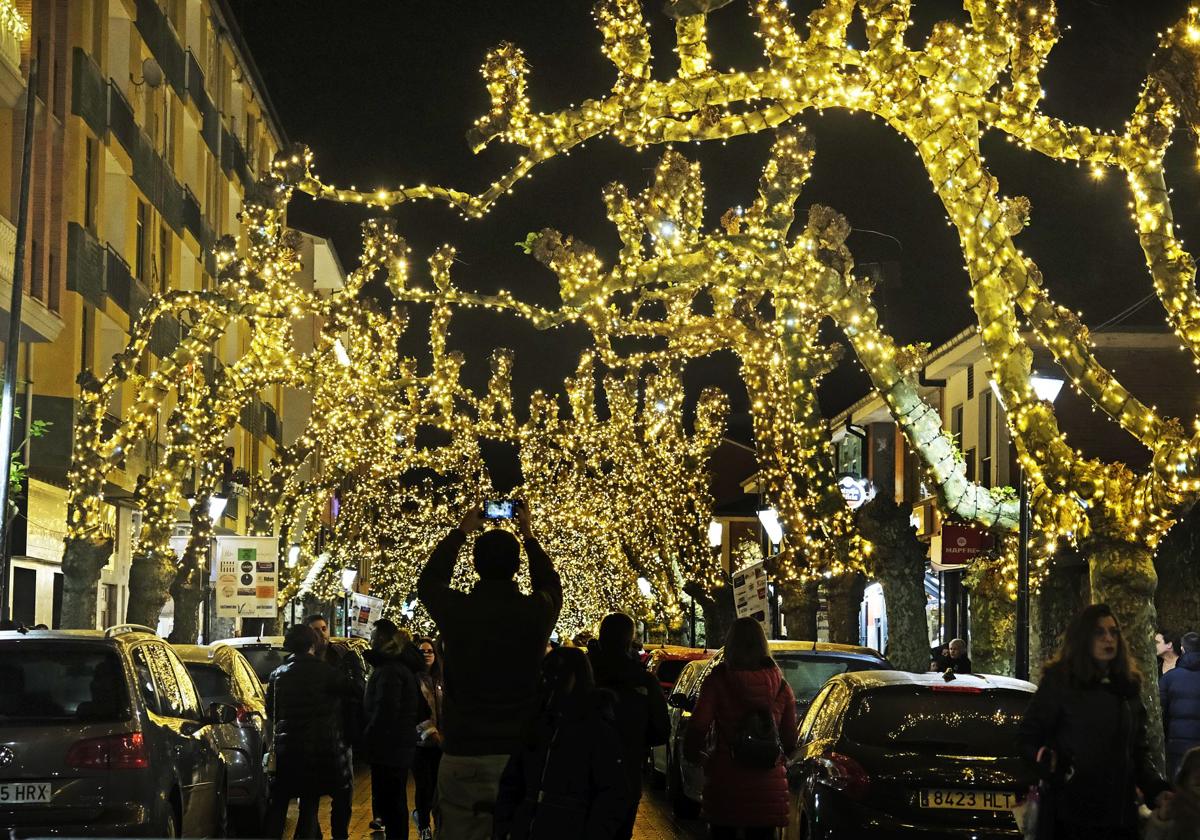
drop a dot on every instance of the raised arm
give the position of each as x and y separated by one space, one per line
433 586
542 576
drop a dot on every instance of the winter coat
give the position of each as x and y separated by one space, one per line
1179 690
1098 732
390 710
567 780
347 663
641 709
735 794
304 700
493 640
429 708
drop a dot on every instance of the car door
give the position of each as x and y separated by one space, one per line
207 767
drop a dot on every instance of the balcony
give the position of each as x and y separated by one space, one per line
38 323
12 83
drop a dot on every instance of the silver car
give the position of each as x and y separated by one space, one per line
222 675
102 734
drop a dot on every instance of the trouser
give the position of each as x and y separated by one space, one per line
467 786
425 774
307 824
728 832
389 793
625 831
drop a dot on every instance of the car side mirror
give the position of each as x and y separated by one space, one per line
221 713
679 700
796 772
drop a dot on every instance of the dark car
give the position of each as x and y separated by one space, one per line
806 666
103 734
266 653
890 754
222 675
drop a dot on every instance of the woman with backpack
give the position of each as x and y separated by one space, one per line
749 708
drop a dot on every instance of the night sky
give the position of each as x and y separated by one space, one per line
384 91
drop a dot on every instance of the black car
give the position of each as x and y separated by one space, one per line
889 754
103 734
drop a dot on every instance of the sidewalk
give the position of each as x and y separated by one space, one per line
654 820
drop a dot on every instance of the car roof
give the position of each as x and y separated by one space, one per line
245 641
867 680
124 633
798 646
216 652
663 653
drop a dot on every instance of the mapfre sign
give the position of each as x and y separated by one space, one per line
959 545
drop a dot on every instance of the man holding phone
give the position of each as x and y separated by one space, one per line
494 638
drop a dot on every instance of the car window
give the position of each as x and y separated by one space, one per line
189 698
807 674
688 677
264 660
248 682
825 720
811 714
212 683
158 682
670 669
40 683
917 719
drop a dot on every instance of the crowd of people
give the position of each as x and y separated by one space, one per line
509 737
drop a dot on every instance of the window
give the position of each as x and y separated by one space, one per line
160 684
89 184
36 279
108 605
910 719
970 382
139 261
247 680
189 697
985 438
956 423
969 457
164 259
212 683
57 682
24 596
53 294
56 609
850 458
814 709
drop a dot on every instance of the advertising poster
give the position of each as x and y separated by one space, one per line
246 578
364 611
750 595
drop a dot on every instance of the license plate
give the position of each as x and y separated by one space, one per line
25 793
969 800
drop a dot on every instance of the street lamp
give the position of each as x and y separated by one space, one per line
769 518
1047 389
216 506
715 532
349 576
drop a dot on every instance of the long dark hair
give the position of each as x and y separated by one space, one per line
1074 658
746 647
566 674
436 669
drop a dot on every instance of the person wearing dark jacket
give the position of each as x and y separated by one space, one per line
312 758
738 795
1179 691
566 779
429 738
1086 728
641 709
390 730
493 640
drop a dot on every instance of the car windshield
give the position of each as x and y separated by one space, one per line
212 683
41 683
264 660
670 669
918 719
807 674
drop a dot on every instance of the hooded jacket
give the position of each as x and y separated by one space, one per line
1098 732
493 640
567 779
305 697
640 712
1179 690
735 794
390 708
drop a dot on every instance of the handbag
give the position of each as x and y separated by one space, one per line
270 761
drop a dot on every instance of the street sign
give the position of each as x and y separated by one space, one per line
364 611
247 577
957 546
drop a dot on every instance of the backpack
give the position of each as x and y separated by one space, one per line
754 741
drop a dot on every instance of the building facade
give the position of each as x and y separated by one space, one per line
151 123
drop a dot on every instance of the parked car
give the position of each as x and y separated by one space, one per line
222 675
806 666
266 653
103 734
894 754
666 662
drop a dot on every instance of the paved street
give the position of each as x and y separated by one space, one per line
654 821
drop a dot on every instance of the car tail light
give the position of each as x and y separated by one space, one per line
112 752
245 714
845 774
957 689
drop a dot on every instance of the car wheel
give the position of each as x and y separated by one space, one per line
682 807
170 828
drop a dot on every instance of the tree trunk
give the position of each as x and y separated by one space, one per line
1056 602
717 606
800 604
899 560
187 592
82 563
844 594
993 628
151 572
1179 604
1122 576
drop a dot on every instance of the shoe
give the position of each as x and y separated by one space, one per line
426 834
416 817
377 824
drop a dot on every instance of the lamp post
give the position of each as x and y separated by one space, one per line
349 577
216 508
1046 388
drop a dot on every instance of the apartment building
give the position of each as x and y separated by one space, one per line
151 123
872 454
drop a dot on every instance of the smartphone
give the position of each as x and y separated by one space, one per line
498 509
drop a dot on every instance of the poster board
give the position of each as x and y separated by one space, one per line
365 610
750 595
246 576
